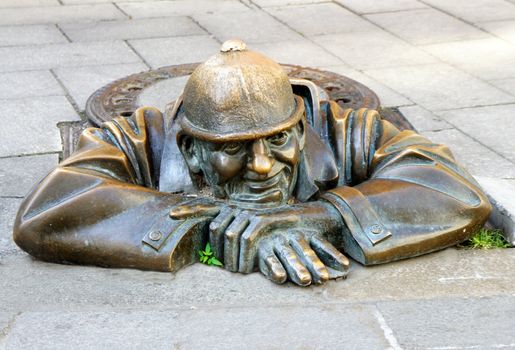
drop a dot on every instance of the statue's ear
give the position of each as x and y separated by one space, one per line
189 152
301 128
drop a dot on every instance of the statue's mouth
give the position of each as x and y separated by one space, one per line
257 189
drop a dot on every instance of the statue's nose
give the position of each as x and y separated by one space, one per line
261 162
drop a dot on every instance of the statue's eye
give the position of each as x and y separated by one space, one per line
278 139
232 148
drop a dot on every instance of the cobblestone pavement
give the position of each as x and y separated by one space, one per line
448 65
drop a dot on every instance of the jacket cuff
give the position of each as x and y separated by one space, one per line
176 242
364 224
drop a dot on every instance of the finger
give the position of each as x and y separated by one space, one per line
195 209
232 241
248 249
330 256
297 273
217 228
271 267
319 273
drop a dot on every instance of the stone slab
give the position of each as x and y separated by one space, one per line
440 86
81 82
319 19
28 84
30 35
507 85
28 3
476 158
373 6
54 287
502 29
488 59
179 7
299 52
131 29
8 209
165 52
273 3
349 326
484 323
65 55
55 14
19 174
423 120
501 193
237 25
476 10
372 49
431 26
487 120
387 96
34 121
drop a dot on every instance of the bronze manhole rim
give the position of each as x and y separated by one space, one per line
121 96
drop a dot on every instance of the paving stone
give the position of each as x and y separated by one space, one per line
487 120
54 14
19 174
507 85
374 6
476 10
431 26
501 193
273 3
439 86
165 52
372 49
387 96
54 287
33 120
486 58
318 19
28 3
30 35
503 29
476 158
423 120
179 7
131 29
8 209
65 55
485 323
299 52
236 25
284 327
28 84
81 82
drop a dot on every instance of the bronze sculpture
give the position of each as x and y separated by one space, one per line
271 182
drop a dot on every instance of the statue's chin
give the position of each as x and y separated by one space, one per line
273 196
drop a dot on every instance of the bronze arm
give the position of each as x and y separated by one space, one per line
101 206
408 195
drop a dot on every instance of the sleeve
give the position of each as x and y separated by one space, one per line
101 207
399 194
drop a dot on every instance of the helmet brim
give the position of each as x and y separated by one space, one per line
251 134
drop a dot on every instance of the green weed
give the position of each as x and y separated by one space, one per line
486 239
206 257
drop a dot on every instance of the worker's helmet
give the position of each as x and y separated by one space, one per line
238 95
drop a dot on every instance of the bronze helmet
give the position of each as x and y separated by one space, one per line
238 95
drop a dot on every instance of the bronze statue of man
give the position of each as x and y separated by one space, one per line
255 164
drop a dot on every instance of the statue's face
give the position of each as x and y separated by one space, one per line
263 170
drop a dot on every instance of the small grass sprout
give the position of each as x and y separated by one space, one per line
206 256
486 239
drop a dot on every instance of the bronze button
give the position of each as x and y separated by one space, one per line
155 235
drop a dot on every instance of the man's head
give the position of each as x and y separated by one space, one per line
242 128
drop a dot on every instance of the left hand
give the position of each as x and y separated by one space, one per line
234 233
